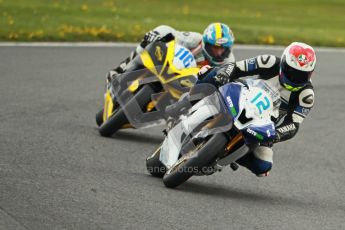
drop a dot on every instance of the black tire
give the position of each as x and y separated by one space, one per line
154 166
113 124
181 172
99 117
118 119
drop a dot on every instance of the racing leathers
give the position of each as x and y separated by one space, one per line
190 40
295 105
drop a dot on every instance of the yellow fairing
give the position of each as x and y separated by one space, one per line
134 86
147 61
168 68
186 83
108 106
172 69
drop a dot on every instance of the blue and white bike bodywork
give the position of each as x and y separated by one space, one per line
252 106
218 130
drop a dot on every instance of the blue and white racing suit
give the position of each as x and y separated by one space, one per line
294 108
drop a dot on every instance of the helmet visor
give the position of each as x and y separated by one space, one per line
218 53
295 76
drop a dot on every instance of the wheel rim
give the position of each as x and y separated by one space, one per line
185 158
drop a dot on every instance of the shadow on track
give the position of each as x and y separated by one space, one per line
223 192
237 194
132 136
250 196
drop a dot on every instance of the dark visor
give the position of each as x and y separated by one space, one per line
221 58
294 75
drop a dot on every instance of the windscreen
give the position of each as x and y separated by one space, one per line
144 94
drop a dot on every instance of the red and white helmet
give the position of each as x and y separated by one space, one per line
296 66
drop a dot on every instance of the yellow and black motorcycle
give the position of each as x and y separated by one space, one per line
154 79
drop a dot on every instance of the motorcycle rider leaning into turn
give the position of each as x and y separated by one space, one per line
291 75
213 47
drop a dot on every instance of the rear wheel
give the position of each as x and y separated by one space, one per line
118 119
194 161
154 165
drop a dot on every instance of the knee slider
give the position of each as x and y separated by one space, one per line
263 160
261 167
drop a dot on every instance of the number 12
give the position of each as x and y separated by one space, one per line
262 104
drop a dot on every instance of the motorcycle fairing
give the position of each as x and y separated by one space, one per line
254 120
259 133
158 64
231 94
196 124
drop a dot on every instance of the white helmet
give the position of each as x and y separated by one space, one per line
296 66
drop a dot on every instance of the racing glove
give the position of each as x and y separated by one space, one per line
114 73
149 37
204 71
167 38
224 74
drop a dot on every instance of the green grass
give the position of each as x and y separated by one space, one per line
318 22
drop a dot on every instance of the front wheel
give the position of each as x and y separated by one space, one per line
118 119
193 162
154 166
114 123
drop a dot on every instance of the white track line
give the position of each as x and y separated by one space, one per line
131 45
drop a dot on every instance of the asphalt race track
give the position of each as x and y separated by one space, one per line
56 172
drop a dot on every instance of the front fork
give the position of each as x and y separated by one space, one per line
108 105
232 153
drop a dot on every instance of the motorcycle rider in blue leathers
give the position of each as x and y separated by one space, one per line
290 74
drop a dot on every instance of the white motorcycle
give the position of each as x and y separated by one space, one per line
216 131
